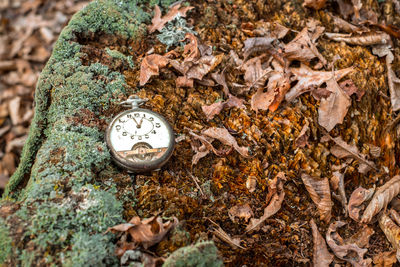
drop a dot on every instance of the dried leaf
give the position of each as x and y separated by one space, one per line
214 109
321 255
394 85
183 81
219 78
385 259
361 238
314 4
366 38
348 252
257 44
344 150
390 29
302 48
191 51
357 198
147 232
275 197
392 232
320 194
3 180
255 75
339 177
150 66
220 233
222 135
350 88
333 109
381 198
240 211
14 107
175 10
302 138
345 26
308 79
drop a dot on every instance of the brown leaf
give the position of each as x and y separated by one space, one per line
390 29
344 150
257 44
214 109
191 51
321 255
350 88
302 48
308 79
314 4
394 85
240 211
276 195
221 234
183 81
333 109
302 138
381 198
391 230
3 180
366 38
222 135
147 232
219 78
150 66
385 259
255 75
320 194
361 238
357 198
339 177
345 26
175 10
348 252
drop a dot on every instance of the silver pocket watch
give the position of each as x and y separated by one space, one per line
139 139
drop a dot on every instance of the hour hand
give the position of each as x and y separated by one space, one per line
137 124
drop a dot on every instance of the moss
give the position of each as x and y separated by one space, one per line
119 56
200 254
5 242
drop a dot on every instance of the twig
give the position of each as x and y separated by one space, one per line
197 185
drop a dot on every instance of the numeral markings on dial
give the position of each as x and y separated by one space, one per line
118 127
153 132
158 125
151 119
124 133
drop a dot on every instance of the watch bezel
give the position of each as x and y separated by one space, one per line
138 167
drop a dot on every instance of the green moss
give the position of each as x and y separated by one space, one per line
5 242
119 56
200 254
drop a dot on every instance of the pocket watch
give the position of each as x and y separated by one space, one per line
139 139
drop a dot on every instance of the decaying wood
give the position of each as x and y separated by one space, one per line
320 194
381 198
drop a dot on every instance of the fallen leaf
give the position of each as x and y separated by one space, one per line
361 237
221 234
146 232
394 85
214 109
314 4
303 48
14 108
275 198
257 44
321 255
255 74
348 252
191 51
382 197
333 109
219 78
343 150
222 135
320 194
175 10
183 81
366 38
240 211
339 177
302 139
138 258
150 66
350 88
392 232
345 26
385 259
308 79
357 198
390 29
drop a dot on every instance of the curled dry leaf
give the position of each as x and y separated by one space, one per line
275 198
255 74
361 238
321 255
350 88
345 26
219 78
150 66
222 135
343 150
385 259
381 198
308 79
349 252
333 109
191 51
366 38
357 198
339 178
320 194
240 211
214 109
175 10
394 84
257 44
302 48
147 232
221 234
302 138
392 232
314 4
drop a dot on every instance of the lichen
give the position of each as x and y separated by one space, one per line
174 32
5 242
200 254
119 56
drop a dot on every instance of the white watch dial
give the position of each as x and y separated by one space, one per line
140 136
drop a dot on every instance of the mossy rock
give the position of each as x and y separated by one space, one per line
56 208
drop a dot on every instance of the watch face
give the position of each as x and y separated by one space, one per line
140 139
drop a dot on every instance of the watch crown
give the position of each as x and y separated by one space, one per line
133 102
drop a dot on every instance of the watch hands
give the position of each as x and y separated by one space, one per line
140 124
137 124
